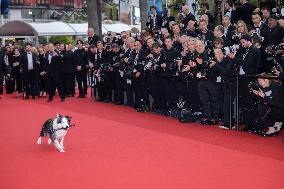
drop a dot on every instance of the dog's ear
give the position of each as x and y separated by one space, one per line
68 119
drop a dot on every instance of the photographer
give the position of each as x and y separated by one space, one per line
276 32
247 63
190 29
270 108
101 71
159 87
117 66
219 33
176 34
174 62
225 66
259 29
135 59
205 35
228 28
207 88
128 71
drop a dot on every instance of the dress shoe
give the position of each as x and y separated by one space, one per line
62 99
49 100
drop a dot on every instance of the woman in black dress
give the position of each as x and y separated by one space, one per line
17 71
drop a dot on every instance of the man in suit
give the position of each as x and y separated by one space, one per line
92 37
81 62
154 20
68 72
54 66
30 71
228 28
248 63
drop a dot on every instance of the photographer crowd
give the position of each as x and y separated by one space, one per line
190 69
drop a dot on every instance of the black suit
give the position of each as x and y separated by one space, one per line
229 33
154 22
30 76
81 59
54 66
93 40
207 36
68 73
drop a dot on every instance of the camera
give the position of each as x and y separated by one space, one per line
254 86
231 49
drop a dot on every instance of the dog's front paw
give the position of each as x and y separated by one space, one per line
61 150
49 141
38 141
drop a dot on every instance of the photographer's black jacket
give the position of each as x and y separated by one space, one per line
171 55
276 102
160 59
227 69
206 36
249 60
275 35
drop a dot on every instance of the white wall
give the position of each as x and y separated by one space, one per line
15 14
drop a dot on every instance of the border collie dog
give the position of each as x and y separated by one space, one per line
56 129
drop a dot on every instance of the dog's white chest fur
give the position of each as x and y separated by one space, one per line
60 133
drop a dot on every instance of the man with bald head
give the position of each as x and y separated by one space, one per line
187 16
92 37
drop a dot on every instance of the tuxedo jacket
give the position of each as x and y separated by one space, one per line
24 62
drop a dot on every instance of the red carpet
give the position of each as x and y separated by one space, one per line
115 147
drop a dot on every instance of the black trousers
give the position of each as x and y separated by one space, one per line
229 91
208 96
119 88
18 78
31 83
82 82
129 88
193 94
68 81
160 88
43 83
139 89
53 84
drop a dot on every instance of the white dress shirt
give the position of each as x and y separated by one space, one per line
30 61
